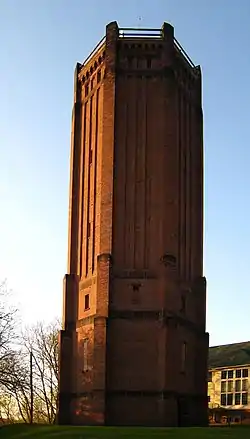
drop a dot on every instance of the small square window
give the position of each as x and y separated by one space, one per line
230 386
237 398
86 301
223 399
230 374
244 398
224 374
245 373
223 386
244 385
238 373
238 386
230 399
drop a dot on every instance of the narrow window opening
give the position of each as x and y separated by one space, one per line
136 287
183 304
149 63
86 301
99 76
183 357
135 295
86 90
91 156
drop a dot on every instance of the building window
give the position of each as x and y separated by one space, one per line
230 386
238 386
230 399
85 355
208 398
244 398
183 357
238 373
86 301
223 399
237 399
224 374
99 76
245 373
210 377
86 90
230 374
223 387
244 385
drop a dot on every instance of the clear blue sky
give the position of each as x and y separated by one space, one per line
41 41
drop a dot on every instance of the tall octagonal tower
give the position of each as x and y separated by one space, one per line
134 344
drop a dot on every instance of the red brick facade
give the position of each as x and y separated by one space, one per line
133 345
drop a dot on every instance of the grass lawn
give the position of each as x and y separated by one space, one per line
25 432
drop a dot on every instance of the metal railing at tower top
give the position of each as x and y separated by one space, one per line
134 33
95 50
184 53
130 32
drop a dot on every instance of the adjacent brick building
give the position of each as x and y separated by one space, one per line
133 345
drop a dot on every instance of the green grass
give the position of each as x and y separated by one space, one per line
27 432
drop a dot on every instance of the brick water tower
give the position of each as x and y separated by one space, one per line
133 349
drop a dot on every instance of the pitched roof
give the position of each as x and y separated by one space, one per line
235 354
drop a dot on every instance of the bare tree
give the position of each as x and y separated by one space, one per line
40 343
7 408
8 324
28 393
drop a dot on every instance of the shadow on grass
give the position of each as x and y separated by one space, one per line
24 431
